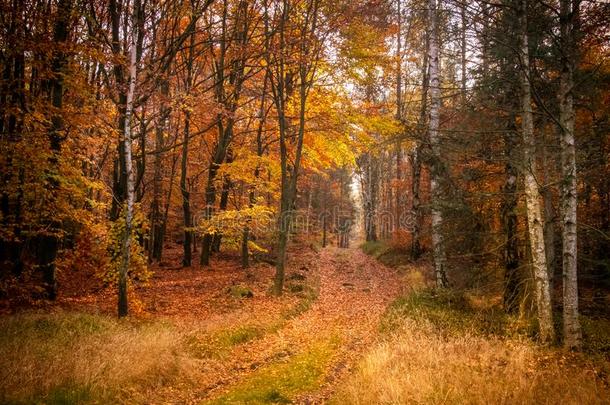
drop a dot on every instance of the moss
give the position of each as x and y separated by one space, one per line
296 288
283 382
297 277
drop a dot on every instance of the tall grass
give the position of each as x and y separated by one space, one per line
438 349
73 357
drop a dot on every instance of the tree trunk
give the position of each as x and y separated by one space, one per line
513 283
569 198
49 243
532 193
415 202
416 214
124 268
433 126
550 218
281 91
186 195
119 178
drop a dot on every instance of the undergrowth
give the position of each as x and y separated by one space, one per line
444 346
282 382
387 254
71 357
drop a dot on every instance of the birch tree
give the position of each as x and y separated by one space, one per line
124 268
532 191
569 199
433 133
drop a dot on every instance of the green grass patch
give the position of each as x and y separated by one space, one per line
282 382
219 343
450 312
374 248
386 254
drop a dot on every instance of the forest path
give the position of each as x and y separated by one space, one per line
354 292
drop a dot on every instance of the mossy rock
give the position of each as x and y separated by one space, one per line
240 291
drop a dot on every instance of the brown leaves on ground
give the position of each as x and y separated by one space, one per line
349 293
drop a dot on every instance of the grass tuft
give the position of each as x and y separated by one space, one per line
282 382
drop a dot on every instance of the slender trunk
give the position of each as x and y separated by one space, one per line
433 126
463 53
415 203
324 231
119 178
512 279
224 200
289 176
416 214
124 268
186 195
399 117
532 193
245 253
569 198
550 217
50 242
157 231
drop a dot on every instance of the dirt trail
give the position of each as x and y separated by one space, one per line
354 291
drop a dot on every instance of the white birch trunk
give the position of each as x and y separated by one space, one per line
532 192
569 201
433 125
124 268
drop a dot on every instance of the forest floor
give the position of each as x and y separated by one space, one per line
348 330
235 343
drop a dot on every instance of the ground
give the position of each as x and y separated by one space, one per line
329 314
348 329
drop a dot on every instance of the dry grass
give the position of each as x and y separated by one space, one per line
417 365
444 347
71 357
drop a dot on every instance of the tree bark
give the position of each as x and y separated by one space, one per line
512 279
157 228
438 243
126 256
50 241
569 199
186 195
532 192
416 214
